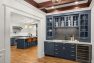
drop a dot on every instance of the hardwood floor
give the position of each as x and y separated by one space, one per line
30 56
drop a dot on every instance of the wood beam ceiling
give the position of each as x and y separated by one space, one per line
68 8
32 2
42 6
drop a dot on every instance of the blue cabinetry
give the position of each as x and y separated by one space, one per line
23 43
85 26
79 52
62 50
79 24
49 48
57 50
49 27
70 51
13 41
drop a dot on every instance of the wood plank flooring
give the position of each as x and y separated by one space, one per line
30 56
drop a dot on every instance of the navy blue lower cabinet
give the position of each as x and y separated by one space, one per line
13 42
49 48
21 44
62 50
57 49
70 51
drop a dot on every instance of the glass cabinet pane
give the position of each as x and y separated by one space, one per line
82 34
86 34
82 22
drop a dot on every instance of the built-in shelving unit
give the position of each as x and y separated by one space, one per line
76 24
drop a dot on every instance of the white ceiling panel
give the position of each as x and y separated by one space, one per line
40 1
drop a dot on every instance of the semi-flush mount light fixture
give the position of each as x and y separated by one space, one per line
56 1
53 7
76 2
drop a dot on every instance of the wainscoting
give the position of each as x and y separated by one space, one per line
2 56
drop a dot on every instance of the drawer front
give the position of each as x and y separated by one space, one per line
58 45
57 54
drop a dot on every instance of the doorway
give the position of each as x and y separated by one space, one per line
23 38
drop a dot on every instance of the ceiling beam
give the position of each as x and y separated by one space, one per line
68 8
42 6
32 2
49 3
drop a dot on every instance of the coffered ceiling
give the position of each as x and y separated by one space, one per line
48 6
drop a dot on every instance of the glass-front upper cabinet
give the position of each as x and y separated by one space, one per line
66 20
49 27
85 27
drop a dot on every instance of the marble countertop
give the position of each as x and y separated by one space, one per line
23 37
68 41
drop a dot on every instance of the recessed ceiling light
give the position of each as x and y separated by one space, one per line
76 2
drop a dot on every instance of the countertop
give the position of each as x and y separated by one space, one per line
23 37
68 41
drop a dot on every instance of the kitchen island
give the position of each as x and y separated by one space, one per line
26 42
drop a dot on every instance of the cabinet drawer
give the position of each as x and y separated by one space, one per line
57 54
57 49
58 44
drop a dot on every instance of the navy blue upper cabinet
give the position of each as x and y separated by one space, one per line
78 23
49 27
85 25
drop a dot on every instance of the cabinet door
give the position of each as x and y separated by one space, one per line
68 51
85 26
49 48
49 27
72 52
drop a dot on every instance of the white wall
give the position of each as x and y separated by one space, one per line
1 26
92 30
2 44
6 8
